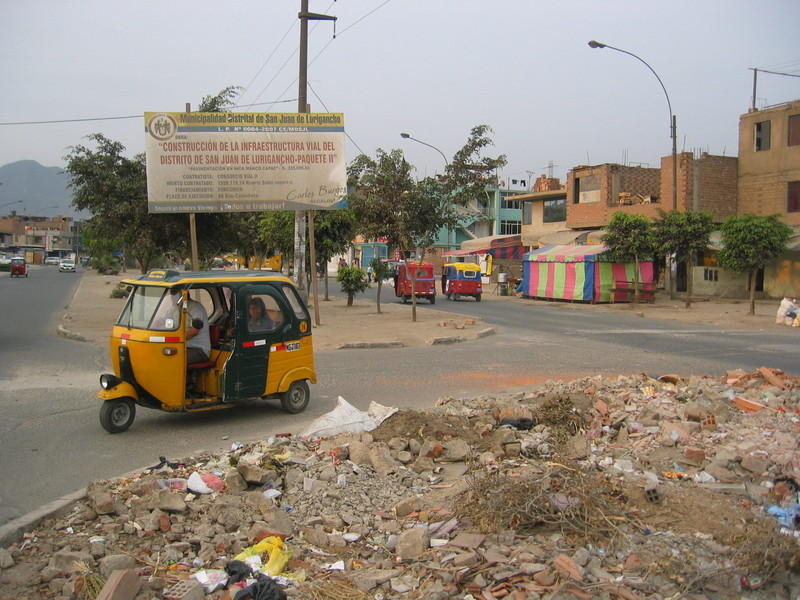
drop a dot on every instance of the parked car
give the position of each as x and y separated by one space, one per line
52 260
66 265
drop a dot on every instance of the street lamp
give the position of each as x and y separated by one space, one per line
406 136
672 120
10 203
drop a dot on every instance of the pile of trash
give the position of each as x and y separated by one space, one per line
634 487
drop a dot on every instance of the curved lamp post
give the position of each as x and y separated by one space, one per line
672 120
406 136
10 203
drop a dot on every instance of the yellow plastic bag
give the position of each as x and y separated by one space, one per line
279 555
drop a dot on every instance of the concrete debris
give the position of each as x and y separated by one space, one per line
636 487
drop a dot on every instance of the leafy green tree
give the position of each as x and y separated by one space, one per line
223 101
470 173
380 271
334 230
113 189
388 203
750 243
630 239
683 234
353 281
276 233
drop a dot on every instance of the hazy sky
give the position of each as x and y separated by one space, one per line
432 68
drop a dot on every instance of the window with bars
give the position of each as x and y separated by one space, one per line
510 227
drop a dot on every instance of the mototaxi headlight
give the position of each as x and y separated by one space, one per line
108 381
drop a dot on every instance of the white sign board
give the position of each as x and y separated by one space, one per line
244 162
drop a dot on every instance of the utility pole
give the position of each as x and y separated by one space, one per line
193 225
300 215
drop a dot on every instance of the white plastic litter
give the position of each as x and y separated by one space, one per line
347 418
197 485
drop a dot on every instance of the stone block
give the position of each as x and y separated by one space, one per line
413 542
754 464
696 456
124 585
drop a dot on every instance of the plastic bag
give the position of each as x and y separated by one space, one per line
347 418
279 554
263 589
197 485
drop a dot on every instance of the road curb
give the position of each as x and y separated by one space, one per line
350 345
66 333
13 530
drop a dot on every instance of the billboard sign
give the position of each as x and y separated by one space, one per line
244 162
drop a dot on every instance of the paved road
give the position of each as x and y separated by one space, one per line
53 442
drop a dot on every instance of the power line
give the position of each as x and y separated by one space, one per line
347 135
139 116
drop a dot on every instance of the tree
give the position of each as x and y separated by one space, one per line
380 271
630 239
333 232
114 189
750 243
683 234
469 173
276 232
353 281
223 101
388 203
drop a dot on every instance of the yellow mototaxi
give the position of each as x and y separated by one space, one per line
259 330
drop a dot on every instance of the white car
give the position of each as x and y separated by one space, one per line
52 260
66 265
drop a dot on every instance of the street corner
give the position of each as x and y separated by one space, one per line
64 332
463 330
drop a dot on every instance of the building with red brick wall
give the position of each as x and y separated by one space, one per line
769 162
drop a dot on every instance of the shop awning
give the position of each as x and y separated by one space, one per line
508 247
465 252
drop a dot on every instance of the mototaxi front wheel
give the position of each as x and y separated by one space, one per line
117 414
295 399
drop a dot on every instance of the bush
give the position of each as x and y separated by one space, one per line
120 291
353 281
105 264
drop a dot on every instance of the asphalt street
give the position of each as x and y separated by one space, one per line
54 444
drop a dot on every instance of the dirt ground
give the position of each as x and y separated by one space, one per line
682 510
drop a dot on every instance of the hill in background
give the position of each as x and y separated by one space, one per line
40 189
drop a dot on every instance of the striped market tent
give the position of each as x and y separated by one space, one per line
578 273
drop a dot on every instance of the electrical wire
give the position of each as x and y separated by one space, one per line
89 119
347 135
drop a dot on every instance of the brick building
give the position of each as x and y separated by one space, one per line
769 183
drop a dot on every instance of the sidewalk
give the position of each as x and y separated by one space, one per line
92 312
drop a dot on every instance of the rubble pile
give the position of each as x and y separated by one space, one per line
635 487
